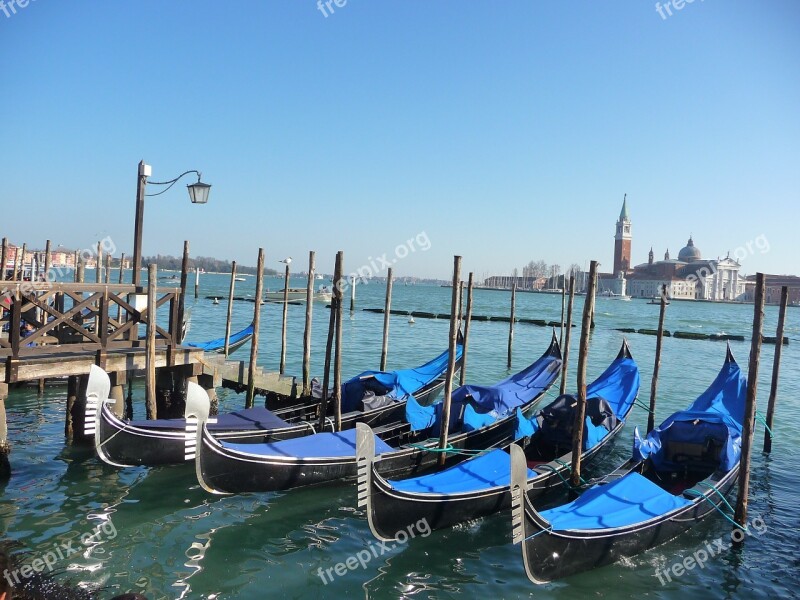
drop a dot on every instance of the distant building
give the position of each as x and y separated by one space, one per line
772 291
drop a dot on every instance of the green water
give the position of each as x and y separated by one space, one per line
157 532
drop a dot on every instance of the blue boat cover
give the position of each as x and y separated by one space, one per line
320 445
219 343
618 385
626 501
492 469
710 428
396 384
248 419
498 400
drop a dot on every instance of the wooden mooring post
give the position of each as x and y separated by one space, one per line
48 261
282 365
107 274
467 323
98 267
387 306
150 368
308 324
748 427
326 375
583 354
451 362
563 306
184 282
338 290
251 374
651 415
5 447
229 315
121 279
3 259
511 321
776 369
353 296
567 336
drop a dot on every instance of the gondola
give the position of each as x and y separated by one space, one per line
374 397
481 417
236 341
480 486
677 476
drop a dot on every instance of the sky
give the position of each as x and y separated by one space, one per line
407 131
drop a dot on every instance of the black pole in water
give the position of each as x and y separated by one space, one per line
748 428
651 417
583 352
467 322
326 377
451 362
282 365
568 336
251 372
511 321
337 360
776 369
229 314
386 313
307 330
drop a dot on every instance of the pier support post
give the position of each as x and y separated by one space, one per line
748 427
184 280
307 330
583 353
3 259
776 369
118 395
76 409
150 370
5 448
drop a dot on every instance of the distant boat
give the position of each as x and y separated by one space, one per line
216 300
319 276
298 295
656 300
239 279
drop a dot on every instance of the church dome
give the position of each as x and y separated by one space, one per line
690 253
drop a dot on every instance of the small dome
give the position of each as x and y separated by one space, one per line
690 253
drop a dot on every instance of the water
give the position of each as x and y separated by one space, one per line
157 532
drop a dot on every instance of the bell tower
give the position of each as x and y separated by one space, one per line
622 240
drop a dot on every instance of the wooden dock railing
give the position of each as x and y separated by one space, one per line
41 318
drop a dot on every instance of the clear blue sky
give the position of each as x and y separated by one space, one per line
506 131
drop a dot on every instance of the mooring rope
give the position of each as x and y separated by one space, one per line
715 505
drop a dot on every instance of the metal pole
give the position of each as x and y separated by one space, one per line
141 182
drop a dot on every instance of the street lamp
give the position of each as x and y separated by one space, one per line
198 194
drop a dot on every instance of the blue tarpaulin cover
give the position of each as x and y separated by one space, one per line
397 384
626 501
321 445
715 417
487 470
618 385
248 419
219 343
499 400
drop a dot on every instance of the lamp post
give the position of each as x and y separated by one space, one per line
198 194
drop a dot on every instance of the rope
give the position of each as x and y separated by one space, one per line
640 404
761 418
449 448
569 468
724 499
557 472
533 535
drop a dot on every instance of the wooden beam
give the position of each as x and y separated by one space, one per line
467 323
776 369
150 374
568 335
282 363
651 416
251 379
387 307
337 360
229 314
451 362
309 319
